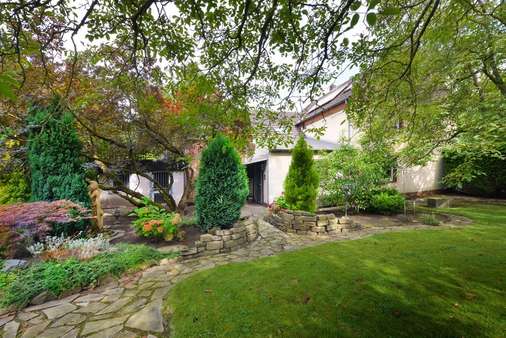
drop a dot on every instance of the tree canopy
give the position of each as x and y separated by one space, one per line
433 76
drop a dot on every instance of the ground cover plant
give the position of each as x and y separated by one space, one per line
61 247
56 277
431 283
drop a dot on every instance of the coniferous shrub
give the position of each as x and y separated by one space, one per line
222 185
301 183
54 157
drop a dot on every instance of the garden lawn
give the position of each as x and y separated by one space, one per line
420 283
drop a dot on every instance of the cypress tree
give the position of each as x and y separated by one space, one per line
222 185
54 156
301 183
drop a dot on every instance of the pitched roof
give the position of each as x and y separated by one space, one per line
337 95
314 143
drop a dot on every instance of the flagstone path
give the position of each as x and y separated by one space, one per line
132 306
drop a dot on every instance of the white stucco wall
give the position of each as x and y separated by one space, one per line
337 128
420 178
409 180
178 186
276 171
140 184
144 186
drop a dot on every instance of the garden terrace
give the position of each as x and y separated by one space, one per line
133 305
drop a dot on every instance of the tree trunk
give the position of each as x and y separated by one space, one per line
189 187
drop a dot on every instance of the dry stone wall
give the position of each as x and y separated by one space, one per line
224 240
306 223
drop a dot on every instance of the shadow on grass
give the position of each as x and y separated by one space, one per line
440 283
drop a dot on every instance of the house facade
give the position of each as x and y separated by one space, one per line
267 169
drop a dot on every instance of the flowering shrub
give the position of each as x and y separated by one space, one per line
155 222
59 247
23 222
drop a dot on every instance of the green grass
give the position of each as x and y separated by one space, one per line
19 287
420 283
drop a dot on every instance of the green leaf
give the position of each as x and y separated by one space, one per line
356 5
7 84
371 19
390 11
373 3
354 20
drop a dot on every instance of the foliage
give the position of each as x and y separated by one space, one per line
234 42
222 185
155 222
174 118
301 182
23 222
474 172
413 283
54 155
350 174
6 278
60 247
386 201
13 177
13 188
281 202
433 75
430 219
57 277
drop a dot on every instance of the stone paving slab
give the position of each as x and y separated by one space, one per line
132 306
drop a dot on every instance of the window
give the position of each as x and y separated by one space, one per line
399 124
125 179
392 173
163 178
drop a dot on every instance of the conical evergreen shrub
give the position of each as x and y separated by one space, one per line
54 157
301 183
222 185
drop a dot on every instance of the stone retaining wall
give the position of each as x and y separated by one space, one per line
306 223
224 240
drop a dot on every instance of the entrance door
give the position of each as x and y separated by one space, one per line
256 181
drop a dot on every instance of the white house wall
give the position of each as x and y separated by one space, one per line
336 128
178 185
144 186
277 169
420 178
140 184
409 180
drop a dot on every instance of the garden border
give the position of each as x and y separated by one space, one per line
218 241
307 223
